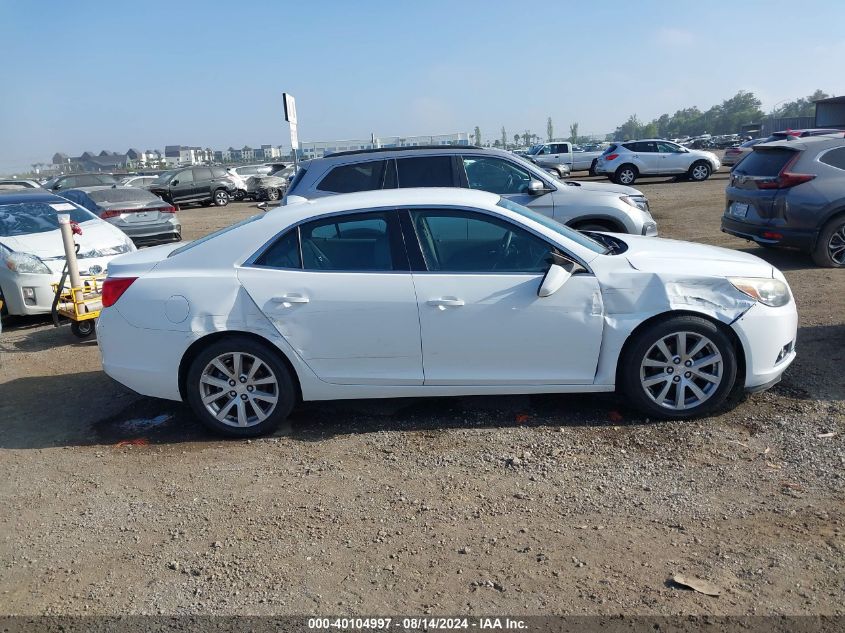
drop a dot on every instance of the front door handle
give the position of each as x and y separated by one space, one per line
446 302
290 298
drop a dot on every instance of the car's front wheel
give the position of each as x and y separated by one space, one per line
700 171
682 367
830 247
240 388
221 198
273 194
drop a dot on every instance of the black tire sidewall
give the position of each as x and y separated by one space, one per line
630 365
625 168
696 164
216 194
287 392
820 254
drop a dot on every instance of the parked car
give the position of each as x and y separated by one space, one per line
242 188
138 181
558 156
247 171
581 205
144 217
72 181
791 193
735 154
202 185
11 184
271 186
625 162
31 251
803 133
435 292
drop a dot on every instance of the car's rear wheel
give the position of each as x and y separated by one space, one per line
700 171
626 175
593 167
682 367
221 198
830 247
240 388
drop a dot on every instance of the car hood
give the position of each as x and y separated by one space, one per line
603 187
676 258
97 236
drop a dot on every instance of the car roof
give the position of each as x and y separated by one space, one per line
410 148
390 198
16 196
807 142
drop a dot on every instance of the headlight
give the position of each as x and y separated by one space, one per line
638 201
25 263
770 292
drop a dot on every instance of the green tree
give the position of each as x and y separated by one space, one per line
477 136
516 138
803 106
628 130
550 130
573 132
526 137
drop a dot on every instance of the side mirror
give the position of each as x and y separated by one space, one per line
57 186
536 188
174 182
555 277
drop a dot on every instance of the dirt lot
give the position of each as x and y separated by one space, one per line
115 503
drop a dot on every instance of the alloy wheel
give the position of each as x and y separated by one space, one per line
681 371
221 198
239 389
836 245
700 172
626 176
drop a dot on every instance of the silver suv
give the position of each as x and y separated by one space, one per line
624 162
581 205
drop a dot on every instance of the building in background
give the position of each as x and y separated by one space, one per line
830 113
318 149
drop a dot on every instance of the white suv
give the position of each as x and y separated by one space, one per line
625 162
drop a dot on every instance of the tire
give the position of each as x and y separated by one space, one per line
221 198
239 195
83 329
699 171
829 251
272 194
226 415
644 366
592 171
626 175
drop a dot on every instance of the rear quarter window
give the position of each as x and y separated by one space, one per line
834 158
366 176
766 163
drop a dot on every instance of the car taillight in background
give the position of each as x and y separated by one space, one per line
611 157
785 178
113 213
113 289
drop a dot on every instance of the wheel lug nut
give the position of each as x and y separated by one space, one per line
243 396
688 374
233 393
677 360
243 379
676 379
688 363
250 388
232 383
670 371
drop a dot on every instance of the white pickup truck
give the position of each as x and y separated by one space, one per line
560 157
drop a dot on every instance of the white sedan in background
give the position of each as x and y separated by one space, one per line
32 255
437 292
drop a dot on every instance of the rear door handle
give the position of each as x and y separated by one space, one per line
291 298
446 302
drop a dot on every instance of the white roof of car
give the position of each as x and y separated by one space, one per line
435 196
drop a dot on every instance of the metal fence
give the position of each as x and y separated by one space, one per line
771 124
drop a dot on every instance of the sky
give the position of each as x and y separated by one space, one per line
88 75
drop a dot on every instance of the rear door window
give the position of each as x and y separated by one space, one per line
766 163
356 242
202 173
835 158
366 176
426 171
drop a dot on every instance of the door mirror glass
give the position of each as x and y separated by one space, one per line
554 279
536 188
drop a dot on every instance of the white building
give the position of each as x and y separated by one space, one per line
318 149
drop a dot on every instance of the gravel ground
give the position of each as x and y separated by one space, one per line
119 504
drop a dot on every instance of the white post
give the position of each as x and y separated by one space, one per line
70 254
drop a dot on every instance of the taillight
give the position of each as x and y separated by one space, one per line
167 209
785 179
105 215
113 289
611 157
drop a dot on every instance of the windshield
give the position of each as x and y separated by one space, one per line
557 227
164 178
111 196
38 217
534 149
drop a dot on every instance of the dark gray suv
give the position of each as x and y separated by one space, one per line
203 185
791 193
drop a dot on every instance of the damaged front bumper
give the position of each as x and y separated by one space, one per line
768 337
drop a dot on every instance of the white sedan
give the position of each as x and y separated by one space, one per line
31 252
437 292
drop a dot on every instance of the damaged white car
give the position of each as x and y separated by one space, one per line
437 292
